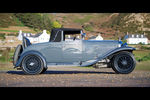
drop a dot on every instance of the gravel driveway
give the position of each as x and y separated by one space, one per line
75 77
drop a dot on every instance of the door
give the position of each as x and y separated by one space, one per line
72 51
53 52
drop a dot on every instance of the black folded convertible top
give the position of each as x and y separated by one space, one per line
56 33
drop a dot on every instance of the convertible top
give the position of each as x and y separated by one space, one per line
56 33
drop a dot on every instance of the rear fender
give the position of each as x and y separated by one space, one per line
28 53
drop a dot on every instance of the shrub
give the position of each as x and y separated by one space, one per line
145 48
35 20
56 24
145 58
2 36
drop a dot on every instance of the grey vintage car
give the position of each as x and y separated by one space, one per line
62 49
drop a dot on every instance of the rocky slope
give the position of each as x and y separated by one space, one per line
110 25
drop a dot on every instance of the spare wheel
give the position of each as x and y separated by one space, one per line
17 53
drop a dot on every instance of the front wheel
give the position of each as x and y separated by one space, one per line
32 64
123 62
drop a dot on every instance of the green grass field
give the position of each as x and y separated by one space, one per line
15 31
140 53
143 65
6 67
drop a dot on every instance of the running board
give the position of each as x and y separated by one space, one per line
62 64
81 64
88 63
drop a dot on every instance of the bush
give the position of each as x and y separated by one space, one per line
56 24
8 19
12 34
145 58
35 20
145 48
2 36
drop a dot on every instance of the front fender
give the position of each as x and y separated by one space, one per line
114 51
31 52
123 48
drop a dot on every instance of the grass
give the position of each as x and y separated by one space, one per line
6 56
19 23
88 28
144 65
6 67
83 20
139 54
14 31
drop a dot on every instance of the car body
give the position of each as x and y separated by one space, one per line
78 52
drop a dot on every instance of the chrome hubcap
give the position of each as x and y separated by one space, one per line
31 64
124 62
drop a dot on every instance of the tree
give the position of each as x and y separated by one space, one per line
35 20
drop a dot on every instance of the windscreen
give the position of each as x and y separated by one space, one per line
71 35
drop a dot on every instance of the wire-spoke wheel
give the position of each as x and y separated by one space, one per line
17 53
123 63
32 64
44 70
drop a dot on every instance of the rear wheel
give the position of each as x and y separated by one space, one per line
44 70
32 64
123 62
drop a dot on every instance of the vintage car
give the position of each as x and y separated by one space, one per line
62 49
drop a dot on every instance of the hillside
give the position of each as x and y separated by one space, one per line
89 22
130 22
110 25
9 24
8 19
28 22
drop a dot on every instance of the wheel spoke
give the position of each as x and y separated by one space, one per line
124 62
32 63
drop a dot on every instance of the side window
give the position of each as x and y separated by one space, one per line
72 37
56 37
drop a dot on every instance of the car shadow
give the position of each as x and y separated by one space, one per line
62 72
76 72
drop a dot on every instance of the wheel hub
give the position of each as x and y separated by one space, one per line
124 62
32 63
